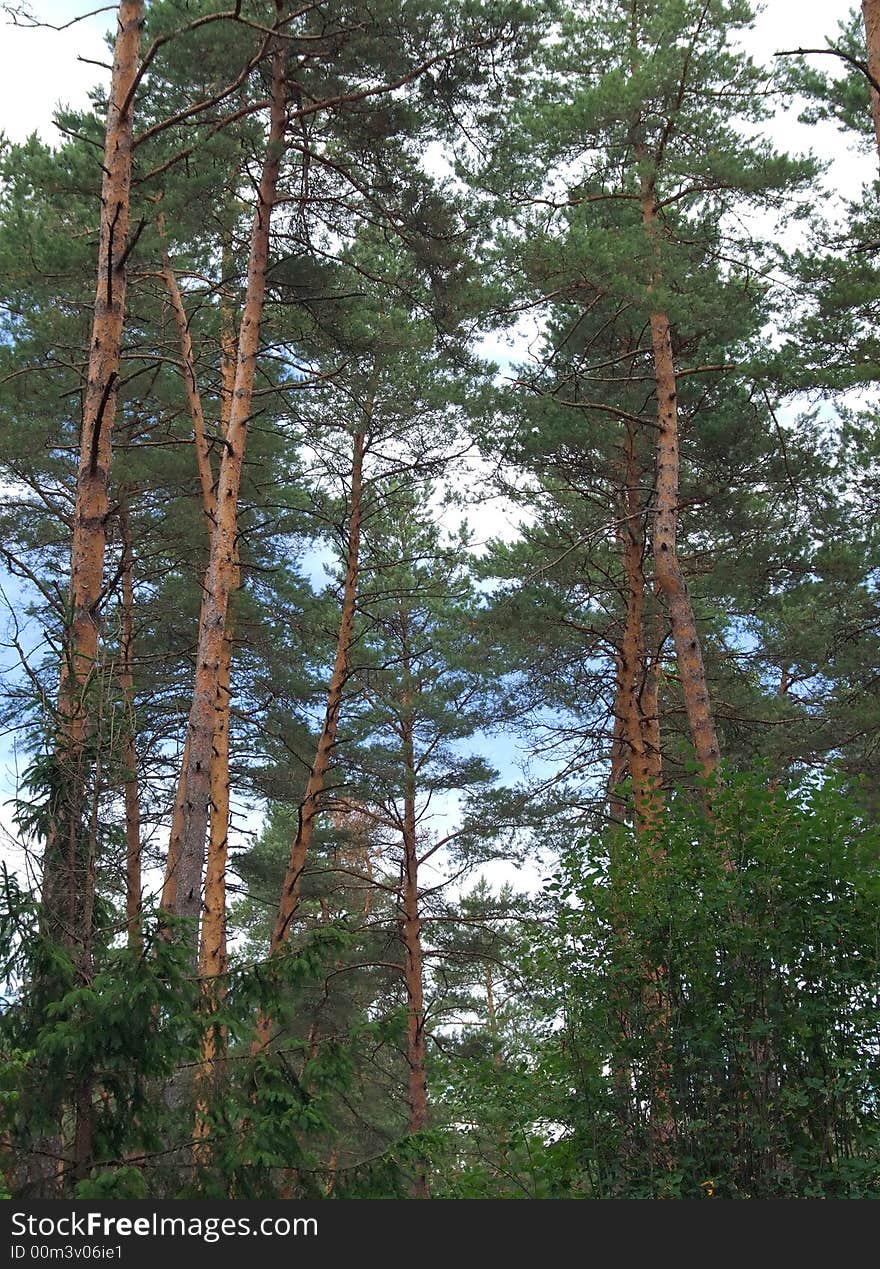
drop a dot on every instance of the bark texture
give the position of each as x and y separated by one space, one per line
213 958
871 15
187 846
668 573
65 872
193 395
411 931
129 756
637 725
68 889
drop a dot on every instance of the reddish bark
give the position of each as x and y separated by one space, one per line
129 755
65 872
871 15
212 946
212 956
68 893
193 396
637 703
187 845
668 573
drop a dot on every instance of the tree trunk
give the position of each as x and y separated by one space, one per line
411 929
129 756
187 846
871 14
212 950
65 875
635 676
212 946
193 396
311 803
619 768
209 503
68 900
667 569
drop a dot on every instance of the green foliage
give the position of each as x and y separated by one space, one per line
723 984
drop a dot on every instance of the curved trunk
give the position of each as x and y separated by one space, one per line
311 803
193 396
212 945
209 505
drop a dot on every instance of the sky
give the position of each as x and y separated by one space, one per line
41 68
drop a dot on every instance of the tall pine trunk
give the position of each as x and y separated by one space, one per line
871 14
68 882
213 959
187 845
311 803
212 945
668 573
129 755
411 932
636 702
65 872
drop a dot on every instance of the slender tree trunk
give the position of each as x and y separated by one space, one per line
83 1106
209 506
129 756
492 1016
667 569
311 803
213 958
212 946
871 14
172 860
65 874
642 757
187 846
212 949
638 712
411 929
619 767
69 859
193 395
